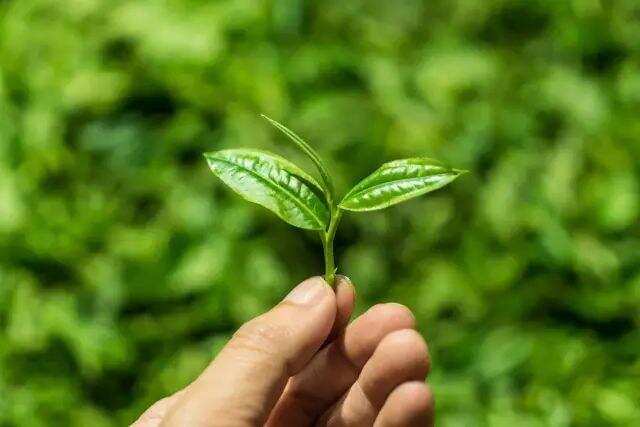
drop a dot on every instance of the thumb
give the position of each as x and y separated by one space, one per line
241 386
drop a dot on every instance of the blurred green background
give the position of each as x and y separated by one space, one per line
125 264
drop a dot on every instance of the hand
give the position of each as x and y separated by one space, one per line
297 365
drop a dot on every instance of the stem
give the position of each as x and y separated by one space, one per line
327 243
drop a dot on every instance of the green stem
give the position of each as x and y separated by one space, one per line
327 243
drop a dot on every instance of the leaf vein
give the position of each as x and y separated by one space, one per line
273 186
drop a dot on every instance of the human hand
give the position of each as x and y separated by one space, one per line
301 365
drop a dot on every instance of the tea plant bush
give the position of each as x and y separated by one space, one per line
124 266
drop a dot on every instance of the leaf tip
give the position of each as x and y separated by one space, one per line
209 154
267 118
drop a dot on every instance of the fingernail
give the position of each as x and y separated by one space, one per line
344 278
308 292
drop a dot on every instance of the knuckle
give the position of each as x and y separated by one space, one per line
396 313
413 345
406 338
422 398
261 336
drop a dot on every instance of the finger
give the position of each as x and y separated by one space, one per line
410 405
345 299
335 368
401 356
245 380
153 416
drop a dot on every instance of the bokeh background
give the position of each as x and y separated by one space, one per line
125 265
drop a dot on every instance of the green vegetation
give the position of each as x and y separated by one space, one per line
124 266
298 199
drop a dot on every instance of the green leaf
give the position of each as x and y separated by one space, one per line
272 182
328 187
397 181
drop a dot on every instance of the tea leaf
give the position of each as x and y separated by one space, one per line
272 182
397 181
310 152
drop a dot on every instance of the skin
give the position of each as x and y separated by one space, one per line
303 364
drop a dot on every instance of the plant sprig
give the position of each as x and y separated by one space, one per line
302 201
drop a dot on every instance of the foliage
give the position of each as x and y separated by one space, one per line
124 267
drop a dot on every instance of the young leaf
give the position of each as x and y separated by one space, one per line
310 152
272 182
397 181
